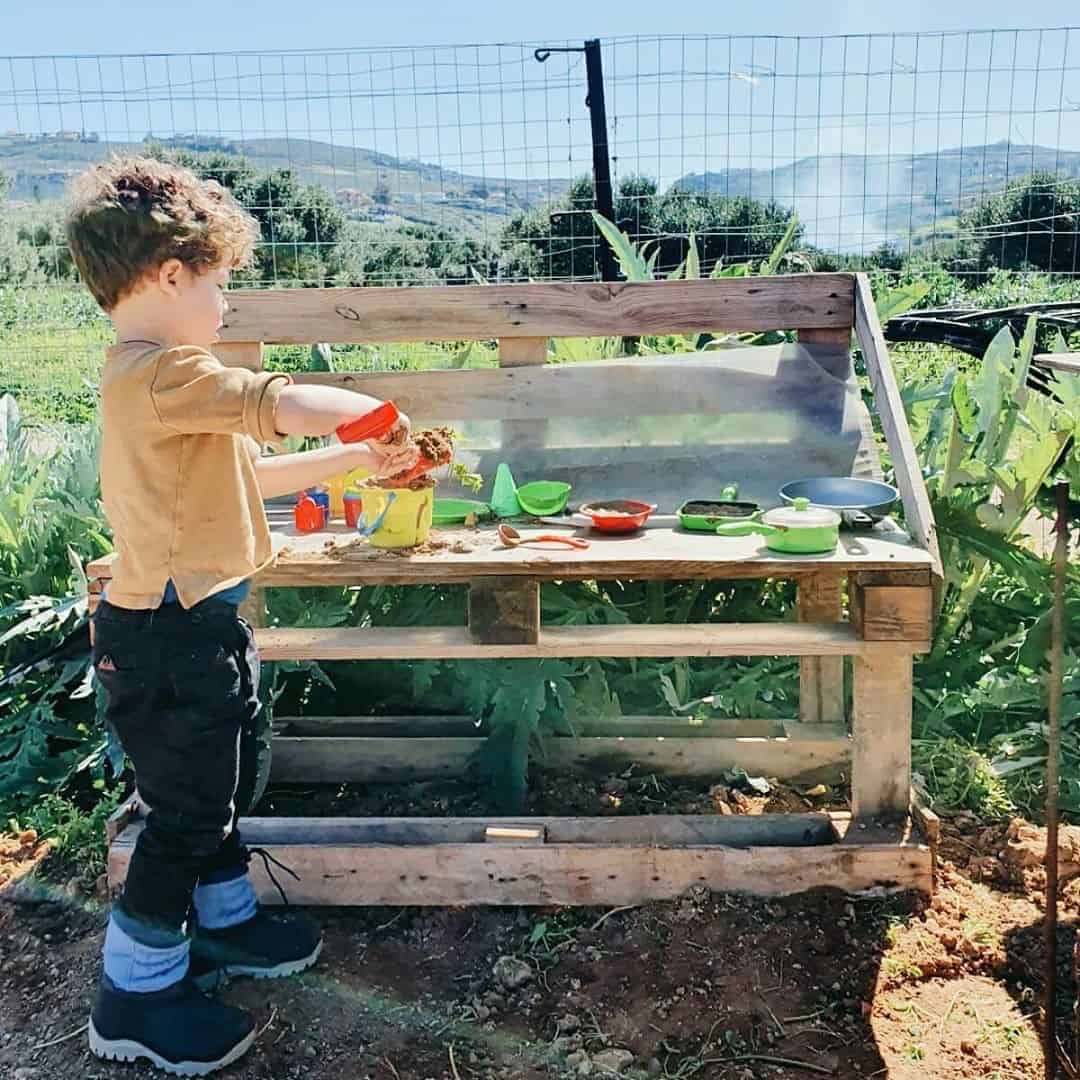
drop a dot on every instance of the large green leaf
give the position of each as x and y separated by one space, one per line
891 302
993 378
630 258
772 263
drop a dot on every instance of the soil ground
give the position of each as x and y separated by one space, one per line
710 986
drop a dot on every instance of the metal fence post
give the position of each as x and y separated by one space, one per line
605 202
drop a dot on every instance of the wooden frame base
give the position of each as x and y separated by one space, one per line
570 861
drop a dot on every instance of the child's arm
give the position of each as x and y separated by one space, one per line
284 474
194 393
319 410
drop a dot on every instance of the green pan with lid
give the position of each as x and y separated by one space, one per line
799 529
703 515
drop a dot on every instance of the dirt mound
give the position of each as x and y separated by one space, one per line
712 986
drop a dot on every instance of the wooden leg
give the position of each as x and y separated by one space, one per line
881 733
821 678
253 609
504 611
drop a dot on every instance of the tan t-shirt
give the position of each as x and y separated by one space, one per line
180 436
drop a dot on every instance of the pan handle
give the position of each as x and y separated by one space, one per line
747 528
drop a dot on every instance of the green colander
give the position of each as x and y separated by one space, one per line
543 497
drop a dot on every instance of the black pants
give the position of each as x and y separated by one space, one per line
182 696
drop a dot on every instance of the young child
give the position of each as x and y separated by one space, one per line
183 485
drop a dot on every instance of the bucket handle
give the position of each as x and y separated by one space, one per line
367 530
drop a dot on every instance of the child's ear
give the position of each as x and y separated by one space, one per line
170 275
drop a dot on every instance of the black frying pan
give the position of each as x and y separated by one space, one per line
844 493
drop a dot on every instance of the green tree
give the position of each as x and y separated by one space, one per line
300 223
560 240
412 254
1034 224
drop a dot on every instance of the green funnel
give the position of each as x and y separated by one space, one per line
504 500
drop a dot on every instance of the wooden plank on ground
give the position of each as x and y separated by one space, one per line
649 830
568 874
303 316
649 727
918 516
807 753
455 642
881 733
821 678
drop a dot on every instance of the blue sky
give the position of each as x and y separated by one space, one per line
802 80
66 26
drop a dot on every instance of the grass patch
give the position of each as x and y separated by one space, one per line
78 834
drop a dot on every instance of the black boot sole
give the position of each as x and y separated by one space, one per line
133 1050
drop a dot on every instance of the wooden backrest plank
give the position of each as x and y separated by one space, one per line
583 309
694 383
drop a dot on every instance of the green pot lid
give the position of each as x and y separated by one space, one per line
802 515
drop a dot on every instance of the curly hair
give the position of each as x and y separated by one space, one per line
129 215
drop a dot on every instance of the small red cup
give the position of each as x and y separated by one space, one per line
353 507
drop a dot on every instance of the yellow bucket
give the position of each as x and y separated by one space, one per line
407 521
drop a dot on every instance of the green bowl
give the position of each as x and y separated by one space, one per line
543 497
455 511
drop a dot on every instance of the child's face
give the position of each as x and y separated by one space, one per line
198 304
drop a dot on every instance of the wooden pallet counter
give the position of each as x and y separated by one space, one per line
531 414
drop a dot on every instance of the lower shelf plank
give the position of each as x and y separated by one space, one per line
818 753
334 872
455 642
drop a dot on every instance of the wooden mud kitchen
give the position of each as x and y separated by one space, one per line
663 429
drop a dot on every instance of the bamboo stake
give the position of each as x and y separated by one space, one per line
1053 750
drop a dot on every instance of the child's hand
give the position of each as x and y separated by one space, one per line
400 432
392 458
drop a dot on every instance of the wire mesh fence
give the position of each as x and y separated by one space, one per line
478 163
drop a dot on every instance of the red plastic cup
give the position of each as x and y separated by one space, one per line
354 505
371 426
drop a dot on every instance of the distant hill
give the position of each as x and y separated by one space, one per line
845 203
408 190
865 199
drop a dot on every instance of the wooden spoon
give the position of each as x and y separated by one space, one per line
511 538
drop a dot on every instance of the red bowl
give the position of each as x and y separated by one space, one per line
617 515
